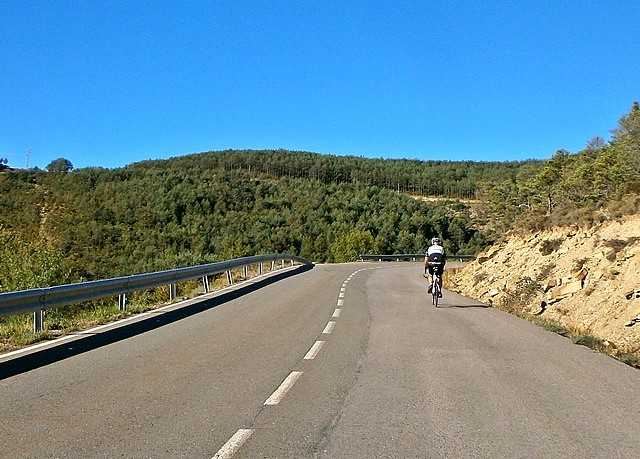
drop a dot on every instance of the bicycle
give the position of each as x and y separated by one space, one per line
435 289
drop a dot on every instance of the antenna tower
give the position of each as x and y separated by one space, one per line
26 158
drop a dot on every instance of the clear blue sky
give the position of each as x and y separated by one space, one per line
108 83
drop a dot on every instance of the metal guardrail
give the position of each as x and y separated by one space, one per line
38 300
411 257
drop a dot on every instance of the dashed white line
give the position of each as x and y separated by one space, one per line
241 436
329 328
313 352
281 391
234 443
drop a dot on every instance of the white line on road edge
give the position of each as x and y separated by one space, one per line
75 335
336 313
329 328
313 352
233 444
281 391
84 333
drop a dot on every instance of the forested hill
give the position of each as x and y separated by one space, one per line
92 223
64 226
457 179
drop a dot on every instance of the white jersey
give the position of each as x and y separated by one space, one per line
435 249
435 255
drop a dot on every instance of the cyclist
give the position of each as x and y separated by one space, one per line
434 261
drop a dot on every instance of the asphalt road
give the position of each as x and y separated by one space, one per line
339 361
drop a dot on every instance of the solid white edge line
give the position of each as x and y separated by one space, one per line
281 391
329 328
313 352
71 336
234 443
179 304
336 313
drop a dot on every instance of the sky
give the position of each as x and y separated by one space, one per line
109 83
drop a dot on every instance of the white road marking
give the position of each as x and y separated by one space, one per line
313 352
234 443
75 335
92 331
341 295
343 289
336 313
329 328
340 302
281 391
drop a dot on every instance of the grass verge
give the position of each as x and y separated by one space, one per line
582 339
17 331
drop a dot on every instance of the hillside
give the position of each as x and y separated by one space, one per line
65 226
585 279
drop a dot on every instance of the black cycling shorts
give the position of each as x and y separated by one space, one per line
436 267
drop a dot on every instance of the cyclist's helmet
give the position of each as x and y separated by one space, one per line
435 241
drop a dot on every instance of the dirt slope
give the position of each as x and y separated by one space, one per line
585 279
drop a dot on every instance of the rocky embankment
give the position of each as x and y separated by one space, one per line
587 280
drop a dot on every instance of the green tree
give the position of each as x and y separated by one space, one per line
352 244
25 265
60 165
628 129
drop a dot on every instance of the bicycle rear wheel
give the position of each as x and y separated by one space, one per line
435 291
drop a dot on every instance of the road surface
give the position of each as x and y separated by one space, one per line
337 361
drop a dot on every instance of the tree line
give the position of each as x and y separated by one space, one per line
94 223
455 179
600 182
68 225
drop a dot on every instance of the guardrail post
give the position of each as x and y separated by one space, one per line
282 263
260 268
38 320
273 265
205 283
229 277
122 302
172 292
245 271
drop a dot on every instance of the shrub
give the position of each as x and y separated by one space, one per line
549 246
523 293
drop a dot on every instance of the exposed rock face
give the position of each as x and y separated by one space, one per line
586 279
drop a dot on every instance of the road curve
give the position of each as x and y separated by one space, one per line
338 361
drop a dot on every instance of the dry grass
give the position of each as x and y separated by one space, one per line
581 338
